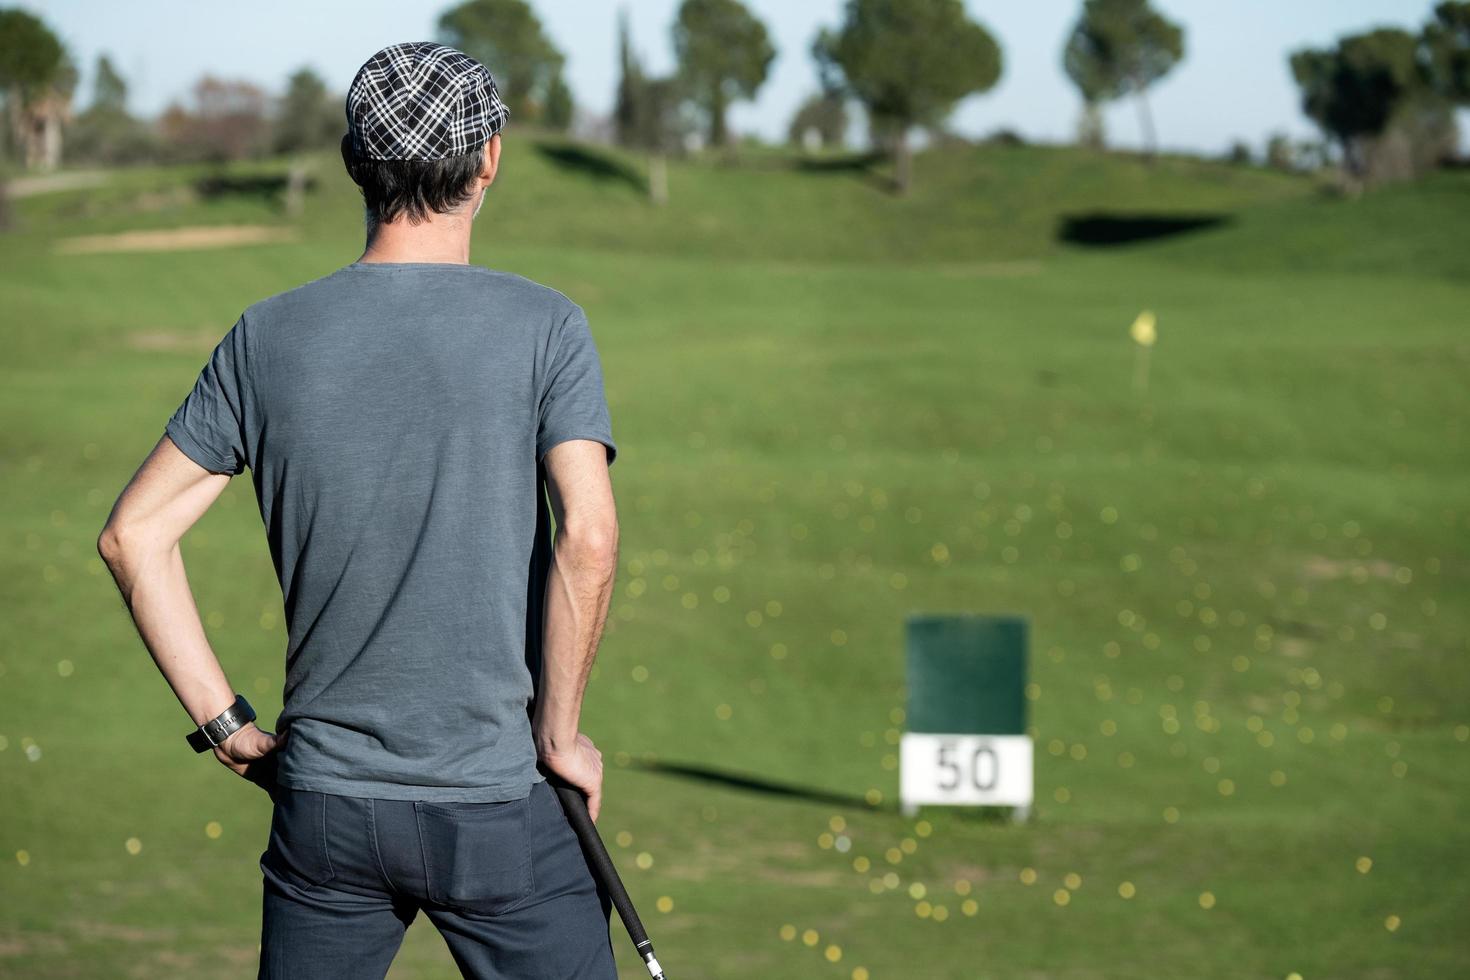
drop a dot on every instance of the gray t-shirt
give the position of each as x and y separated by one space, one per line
394 417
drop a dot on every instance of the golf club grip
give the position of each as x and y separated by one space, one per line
575 804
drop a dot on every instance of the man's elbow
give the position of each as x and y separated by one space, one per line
603 539
109 543
601 546
594 543
115 543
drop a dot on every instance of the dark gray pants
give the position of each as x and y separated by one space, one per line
506 884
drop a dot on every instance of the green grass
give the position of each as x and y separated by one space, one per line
835 408
1405 230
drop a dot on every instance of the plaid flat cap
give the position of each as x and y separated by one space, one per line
422 101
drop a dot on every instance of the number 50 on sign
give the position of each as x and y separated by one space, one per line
974 770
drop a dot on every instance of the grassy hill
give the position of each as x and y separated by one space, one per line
834 408
983 203
1413 230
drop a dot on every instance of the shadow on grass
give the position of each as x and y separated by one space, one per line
847 163
1103 229
757 784
582 160
270 188
994 815
860 165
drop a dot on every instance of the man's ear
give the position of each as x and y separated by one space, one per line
347 151
491 161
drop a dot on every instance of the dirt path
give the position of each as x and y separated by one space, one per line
48 183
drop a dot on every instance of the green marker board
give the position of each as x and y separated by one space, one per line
966 741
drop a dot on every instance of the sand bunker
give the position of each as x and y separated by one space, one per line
176 341
176 239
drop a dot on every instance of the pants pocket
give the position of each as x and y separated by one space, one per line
477 856
299 847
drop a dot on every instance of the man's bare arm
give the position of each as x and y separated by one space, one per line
578 591
140 544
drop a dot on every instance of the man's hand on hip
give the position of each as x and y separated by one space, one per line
246 751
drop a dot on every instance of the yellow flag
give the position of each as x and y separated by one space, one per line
1143 328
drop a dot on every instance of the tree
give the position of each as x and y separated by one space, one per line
1387 97
1090 132
105 132
824 115
630 85
1121 47
559 105
1354 90
908 62
308 117
1087 73
506 37
661 130
109 91
1421 135
30 58
227 122
37 79
724 53
1279 153
648 114
1445 52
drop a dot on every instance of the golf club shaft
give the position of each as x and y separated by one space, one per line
575 805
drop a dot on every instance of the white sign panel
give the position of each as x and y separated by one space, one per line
968 770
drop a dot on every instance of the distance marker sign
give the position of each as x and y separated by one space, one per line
973 770
966 743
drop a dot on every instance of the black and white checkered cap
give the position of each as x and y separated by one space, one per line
422 101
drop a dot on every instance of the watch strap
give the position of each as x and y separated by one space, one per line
221 727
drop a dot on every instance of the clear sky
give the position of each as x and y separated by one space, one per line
1233 84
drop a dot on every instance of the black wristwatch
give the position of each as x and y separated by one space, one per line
219 728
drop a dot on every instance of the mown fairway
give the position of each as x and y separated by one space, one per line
1246 586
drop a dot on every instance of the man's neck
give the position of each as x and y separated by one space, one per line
443 238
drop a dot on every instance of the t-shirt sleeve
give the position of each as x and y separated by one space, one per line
212 424
573 403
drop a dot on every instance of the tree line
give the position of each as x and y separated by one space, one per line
1385 98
